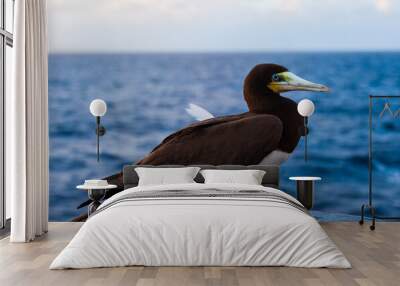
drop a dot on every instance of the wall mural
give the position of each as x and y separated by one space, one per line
147 96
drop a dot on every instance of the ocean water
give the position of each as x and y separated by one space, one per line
147 94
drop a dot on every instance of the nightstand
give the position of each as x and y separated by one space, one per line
96 194
305 190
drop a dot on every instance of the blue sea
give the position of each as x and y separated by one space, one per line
147 95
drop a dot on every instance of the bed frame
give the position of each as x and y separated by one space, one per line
271 178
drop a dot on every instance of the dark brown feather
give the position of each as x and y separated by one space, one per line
239 139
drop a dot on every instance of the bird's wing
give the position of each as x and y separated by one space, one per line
198 112
199 125
240 139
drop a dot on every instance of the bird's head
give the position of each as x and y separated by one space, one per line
267 80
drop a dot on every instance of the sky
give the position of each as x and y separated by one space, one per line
77 26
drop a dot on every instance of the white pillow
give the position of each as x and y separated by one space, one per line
248 177
164 176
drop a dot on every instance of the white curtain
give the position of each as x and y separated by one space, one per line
27 123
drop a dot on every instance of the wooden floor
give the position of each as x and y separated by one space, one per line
375 257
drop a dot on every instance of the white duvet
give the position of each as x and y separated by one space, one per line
200 231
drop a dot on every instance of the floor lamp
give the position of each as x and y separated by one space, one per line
305 108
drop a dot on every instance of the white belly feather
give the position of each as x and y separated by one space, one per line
276 157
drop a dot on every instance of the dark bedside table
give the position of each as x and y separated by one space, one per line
305 190
96 194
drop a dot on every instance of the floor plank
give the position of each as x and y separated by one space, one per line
375 257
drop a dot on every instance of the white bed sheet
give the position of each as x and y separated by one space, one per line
200 231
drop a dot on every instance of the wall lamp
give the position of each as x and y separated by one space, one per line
305 108
98 108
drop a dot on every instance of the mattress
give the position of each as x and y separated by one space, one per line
201 225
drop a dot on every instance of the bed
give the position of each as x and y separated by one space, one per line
198 224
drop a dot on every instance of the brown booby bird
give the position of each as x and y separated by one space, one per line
266 134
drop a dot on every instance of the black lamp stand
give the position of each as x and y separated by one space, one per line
305 132
100 131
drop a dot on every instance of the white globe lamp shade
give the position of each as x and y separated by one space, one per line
305 108
98 107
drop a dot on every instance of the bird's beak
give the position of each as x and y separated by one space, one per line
287 81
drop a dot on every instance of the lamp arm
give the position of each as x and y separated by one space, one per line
303 130
100 131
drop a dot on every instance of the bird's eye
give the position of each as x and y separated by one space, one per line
276 77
